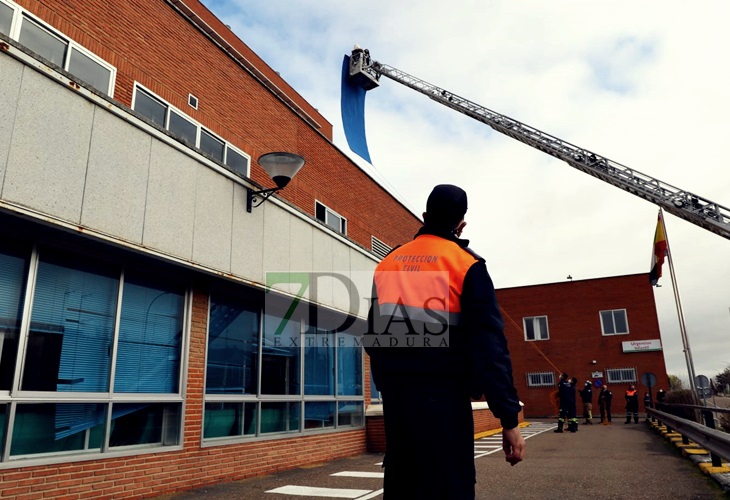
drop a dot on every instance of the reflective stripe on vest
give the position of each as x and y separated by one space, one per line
423 279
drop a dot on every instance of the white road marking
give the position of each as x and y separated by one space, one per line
309 491
347 473
494 443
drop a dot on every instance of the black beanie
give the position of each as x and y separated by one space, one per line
446 206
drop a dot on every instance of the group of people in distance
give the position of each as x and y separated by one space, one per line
567 403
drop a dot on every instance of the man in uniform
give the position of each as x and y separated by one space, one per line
435 339
604 402
563 397
586 396
632 404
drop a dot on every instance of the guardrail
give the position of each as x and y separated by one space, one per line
713 440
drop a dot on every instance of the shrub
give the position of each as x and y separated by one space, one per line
723 422
681 397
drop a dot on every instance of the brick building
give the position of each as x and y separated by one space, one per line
140 351
604 330
142 307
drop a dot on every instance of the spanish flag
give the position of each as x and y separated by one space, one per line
660 250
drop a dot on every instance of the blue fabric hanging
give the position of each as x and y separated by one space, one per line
352 107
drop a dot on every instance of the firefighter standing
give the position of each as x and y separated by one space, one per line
604 403
632 404
586 396
566 397
435 338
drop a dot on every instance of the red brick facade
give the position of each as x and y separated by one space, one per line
576 339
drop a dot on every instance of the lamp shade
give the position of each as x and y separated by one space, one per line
281 167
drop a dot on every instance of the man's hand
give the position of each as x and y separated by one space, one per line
513 445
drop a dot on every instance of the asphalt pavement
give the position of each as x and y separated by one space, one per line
619 461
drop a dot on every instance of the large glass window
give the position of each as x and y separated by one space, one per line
319 363
72 326
229 420
281 354
614 322
287 363
13 272
233 332
101 350
55 47
150 337
349 365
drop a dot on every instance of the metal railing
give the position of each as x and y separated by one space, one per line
707 436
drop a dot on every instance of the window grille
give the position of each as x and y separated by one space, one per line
540 379
620 375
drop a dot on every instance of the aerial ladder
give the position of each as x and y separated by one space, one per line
366 73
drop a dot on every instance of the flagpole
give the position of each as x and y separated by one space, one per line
680 314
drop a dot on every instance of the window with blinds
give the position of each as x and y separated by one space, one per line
101 356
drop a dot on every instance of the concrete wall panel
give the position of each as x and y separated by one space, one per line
247 239
322 248
46 166
116 179
11 72
213 213
277 240
362 280
170 208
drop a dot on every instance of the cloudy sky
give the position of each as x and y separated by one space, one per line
645 84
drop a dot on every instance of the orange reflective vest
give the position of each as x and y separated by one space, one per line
423 278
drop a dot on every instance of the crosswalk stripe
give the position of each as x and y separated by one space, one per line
347 473
310 491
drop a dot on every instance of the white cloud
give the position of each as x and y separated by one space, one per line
642 83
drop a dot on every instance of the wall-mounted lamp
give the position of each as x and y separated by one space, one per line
594 362
281 167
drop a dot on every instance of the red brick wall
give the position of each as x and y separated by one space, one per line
150 475
575 335
150 43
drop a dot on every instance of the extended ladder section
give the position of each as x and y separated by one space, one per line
712 216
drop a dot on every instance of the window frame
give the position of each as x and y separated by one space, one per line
327 213
200 129
171 403
263 400
16 27
535 322
613 319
